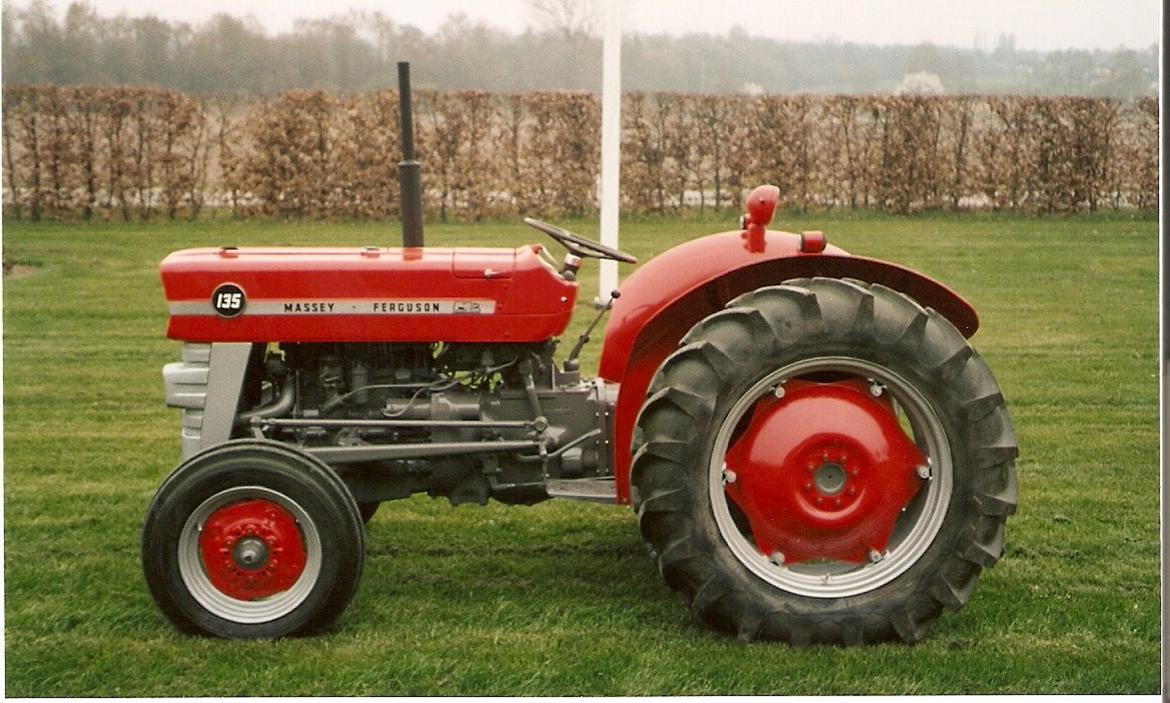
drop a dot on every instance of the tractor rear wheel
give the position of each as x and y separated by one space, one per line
251 539
824 461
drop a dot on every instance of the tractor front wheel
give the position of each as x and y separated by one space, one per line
824 461
251 539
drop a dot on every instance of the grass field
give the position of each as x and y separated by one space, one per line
560 598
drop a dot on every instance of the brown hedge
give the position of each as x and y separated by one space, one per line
140 152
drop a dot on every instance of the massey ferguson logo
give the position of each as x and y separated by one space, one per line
407 307
228 300
467 307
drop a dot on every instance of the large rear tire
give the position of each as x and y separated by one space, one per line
252 539
824 461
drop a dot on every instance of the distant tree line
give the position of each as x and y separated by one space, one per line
230 55
127 152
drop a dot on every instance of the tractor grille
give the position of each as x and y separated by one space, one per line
186 384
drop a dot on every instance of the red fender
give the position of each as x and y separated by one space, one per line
664 298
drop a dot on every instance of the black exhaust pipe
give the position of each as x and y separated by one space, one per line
409 183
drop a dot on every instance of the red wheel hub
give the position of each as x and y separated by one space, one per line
823 472
252 549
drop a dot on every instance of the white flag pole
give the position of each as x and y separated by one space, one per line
611 137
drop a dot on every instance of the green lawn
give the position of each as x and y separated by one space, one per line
560 598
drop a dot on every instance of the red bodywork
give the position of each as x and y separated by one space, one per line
665 297
425 294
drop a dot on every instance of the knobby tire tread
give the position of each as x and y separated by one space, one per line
723 354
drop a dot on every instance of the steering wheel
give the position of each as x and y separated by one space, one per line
579 245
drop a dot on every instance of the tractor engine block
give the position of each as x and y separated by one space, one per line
465 421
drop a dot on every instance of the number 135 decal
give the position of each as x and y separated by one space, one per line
228 300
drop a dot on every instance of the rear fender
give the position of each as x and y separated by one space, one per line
663 299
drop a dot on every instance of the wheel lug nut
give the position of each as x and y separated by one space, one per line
777 558
837 502
852 491
875 556
820 501
808 485
875 389
854 473
924 472
728 476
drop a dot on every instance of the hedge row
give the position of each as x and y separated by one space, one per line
135 152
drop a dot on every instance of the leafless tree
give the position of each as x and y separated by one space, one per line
571 18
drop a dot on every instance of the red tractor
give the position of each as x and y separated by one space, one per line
814 451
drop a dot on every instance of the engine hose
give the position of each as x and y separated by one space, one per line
283 405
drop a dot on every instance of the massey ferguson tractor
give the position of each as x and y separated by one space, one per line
814 451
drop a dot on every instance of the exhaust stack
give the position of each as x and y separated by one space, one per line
409 181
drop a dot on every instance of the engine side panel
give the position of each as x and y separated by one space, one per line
659 305
367 295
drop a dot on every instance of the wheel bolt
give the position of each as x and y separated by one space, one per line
779 392
820 501
875 389
777 558
854 473
875 556
924 472
728 476
836 502
852 491
808 485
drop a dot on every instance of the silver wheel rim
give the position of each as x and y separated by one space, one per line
252 612
914 531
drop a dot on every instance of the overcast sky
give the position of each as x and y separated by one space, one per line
1036 24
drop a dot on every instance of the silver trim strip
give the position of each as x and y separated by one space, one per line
346 306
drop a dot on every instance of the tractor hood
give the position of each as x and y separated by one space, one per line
372 294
